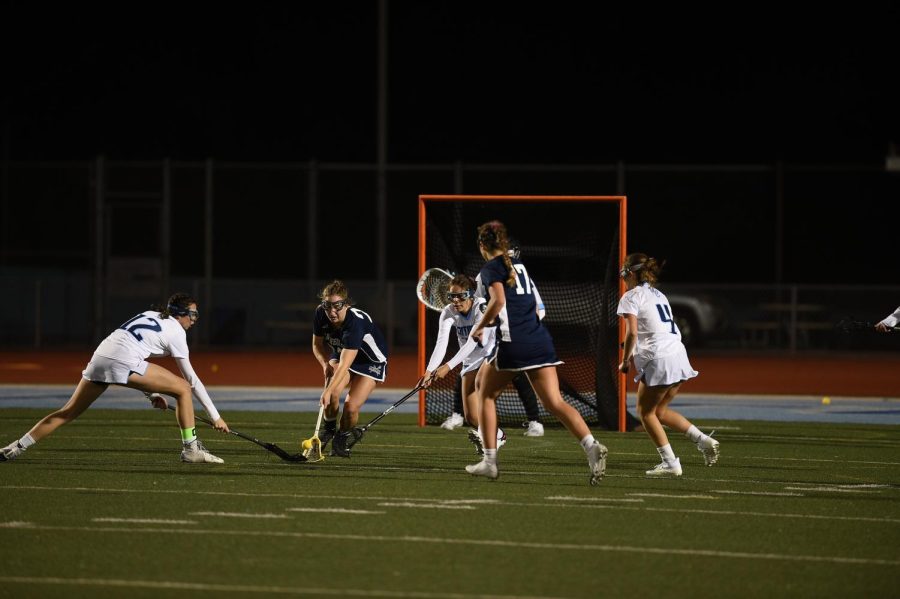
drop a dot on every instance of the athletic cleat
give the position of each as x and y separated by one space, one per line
597 461
326 436
453 420
339 447
664 469
11 452
535 429
482 468
501 438
196 453
475 439
710 450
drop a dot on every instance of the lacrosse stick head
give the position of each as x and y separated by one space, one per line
432 288
312 450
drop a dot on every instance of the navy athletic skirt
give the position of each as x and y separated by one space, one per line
527 356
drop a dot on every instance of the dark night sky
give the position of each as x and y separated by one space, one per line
501 82
567 82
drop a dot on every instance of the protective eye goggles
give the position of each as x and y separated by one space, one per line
461 296
338 305
627 269
177 311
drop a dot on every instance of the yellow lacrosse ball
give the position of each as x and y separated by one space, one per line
307 444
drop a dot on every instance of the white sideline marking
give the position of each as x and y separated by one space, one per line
505 503
833 489
670 496
236 515
143 520
592 499
579 547
17 524
436 506
334 510
763 493
232 588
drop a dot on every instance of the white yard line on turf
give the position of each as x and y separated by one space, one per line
143 521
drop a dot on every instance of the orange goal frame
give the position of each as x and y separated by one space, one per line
622 203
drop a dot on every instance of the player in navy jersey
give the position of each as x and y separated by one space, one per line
121 359
353 355
653 345
523 345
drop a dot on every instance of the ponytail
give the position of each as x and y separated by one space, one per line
493 236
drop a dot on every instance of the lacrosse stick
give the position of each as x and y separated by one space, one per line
287 457
850 324
432 288
312 447
359 431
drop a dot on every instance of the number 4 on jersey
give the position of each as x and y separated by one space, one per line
665 314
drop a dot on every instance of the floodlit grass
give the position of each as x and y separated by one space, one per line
104 508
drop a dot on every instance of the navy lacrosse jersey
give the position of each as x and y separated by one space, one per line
356 332
524 343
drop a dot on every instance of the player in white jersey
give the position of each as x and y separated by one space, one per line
653 345
889 322
121 359
462 314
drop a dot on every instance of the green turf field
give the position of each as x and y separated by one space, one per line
104 508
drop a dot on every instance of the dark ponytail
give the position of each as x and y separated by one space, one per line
493 236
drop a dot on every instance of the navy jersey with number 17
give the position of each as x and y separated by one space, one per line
524 343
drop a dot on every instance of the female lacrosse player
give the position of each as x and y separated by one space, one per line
653 345
121 360
462 313
889 322
353 354
523 345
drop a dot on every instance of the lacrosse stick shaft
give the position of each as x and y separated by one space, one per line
391 408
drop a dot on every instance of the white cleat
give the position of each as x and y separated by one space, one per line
482 468
501 438
535 429
475 439
709 447
196 453
597 461
453 420
11 452
664 469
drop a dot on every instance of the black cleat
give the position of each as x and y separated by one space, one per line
339 447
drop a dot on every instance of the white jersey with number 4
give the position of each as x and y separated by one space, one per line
657 333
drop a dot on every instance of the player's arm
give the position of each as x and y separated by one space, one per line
199 391
335 383
492 311
630 341
445 325
322 352
541 309
889 322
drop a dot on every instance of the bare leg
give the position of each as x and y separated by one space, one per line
161 380
471 402
360 388
334 402
649 399
84 395
491 385
669 417
546 385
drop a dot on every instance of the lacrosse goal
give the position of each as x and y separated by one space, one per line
573 247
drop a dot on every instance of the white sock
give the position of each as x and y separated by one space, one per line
26 441
666 453
587 442
490 456
695 434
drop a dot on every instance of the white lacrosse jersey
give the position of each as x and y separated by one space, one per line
657 333
470 351
147 335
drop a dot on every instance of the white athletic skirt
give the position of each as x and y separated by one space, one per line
106 370
666 370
